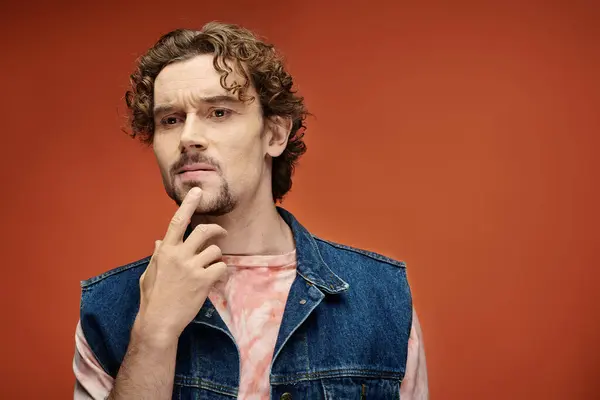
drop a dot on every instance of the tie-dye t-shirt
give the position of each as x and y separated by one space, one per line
250 299
251 302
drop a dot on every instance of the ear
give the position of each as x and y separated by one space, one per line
278 132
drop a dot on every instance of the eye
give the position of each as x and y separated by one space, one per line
220 113
170 120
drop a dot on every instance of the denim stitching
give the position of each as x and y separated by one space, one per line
85 284
199 383
359 373
320 284
292 332
325 392
373 255
307 353
340 284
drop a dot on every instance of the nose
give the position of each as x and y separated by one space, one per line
193 135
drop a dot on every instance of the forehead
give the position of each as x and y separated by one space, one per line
194 76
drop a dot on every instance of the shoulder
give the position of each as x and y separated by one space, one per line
348 253
362 268
109 305
375 282
114 293
135 268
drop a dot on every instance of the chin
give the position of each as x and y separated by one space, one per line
214 201
182 188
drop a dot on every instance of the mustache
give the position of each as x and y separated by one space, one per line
194 158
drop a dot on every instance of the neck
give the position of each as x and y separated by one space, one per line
257 229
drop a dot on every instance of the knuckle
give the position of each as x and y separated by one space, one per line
173 258
167 253
212 272
165 249
189 265
209 229
178 220
202 228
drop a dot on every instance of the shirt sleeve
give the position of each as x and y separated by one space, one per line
91 381
415 384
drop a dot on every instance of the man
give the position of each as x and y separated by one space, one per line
238 298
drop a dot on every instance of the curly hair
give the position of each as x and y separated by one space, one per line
257 62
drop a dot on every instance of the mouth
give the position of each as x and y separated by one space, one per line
195 172
195 168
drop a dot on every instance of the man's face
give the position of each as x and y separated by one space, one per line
204 136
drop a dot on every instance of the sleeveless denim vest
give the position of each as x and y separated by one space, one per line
344 333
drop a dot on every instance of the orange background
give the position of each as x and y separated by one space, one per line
460 138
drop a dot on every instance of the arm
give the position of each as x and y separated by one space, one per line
148 369
415 385
172 290
146 372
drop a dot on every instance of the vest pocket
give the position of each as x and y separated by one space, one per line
187 388
361 389
194 393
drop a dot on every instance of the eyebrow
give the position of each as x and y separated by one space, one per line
219 99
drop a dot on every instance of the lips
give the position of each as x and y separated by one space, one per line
195 167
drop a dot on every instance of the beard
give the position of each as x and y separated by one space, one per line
223 202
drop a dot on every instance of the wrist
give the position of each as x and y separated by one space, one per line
146 334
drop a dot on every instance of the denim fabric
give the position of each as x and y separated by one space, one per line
344 332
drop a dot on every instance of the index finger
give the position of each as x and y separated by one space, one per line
183 216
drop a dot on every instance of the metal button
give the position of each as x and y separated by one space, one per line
286 396
302 301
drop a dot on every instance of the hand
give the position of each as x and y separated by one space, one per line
179 276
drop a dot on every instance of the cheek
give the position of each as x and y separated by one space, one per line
162 155
245 162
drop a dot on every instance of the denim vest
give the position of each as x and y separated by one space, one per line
344 333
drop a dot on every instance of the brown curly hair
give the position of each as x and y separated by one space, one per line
256 61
